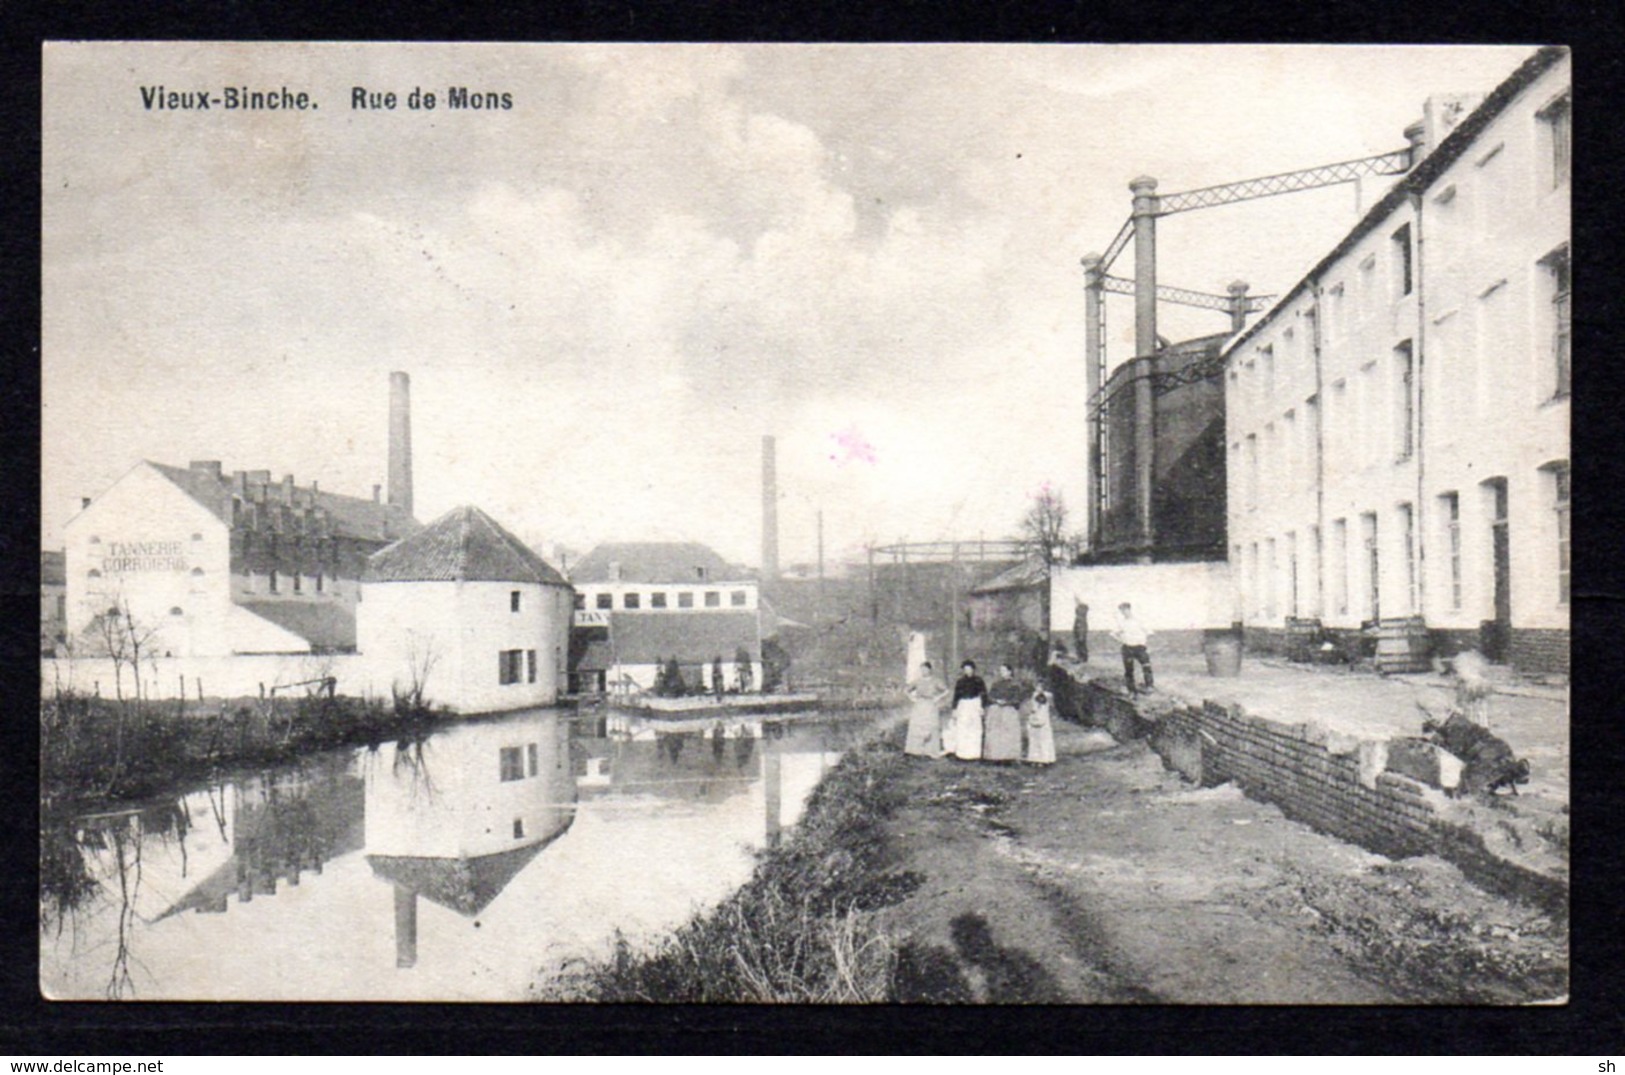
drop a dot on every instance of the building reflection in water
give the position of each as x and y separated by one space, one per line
457 818
278 826
292 883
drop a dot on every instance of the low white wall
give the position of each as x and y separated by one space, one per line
220 677
1166 597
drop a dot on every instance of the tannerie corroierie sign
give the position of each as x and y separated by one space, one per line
136 557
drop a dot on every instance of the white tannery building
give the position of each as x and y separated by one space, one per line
1398 424
466 612
640 603
208 565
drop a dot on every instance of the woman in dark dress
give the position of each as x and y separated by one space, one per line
1003 738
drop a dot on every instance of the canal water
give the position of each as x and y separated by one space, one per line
458 867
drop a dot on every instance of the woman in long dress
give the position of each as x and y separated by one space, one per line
1002 737
926 694
970 696
1040 731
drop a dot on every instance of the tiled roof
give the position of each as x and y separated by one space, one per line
1017 577
350 516
326 625
463 545
53 567
691 637
656 561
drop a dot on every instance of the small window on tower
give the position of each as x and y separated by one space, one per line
513 601
685 599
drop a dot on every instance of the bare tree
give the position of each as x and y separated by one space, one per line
421 657
125 641
1046 543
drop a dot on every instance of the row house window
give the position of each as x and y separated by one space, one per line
1557 121
1340 566
1405 402
1450 518
1407 531
1401 241
1558 281
1560 503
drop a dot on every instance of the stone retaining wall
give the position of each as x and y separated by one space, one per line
1384 794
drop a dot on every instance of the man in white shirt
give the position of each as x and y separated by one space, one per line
1133 636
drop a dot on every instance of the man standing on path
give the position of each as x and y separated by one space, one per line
1080 629
1133 638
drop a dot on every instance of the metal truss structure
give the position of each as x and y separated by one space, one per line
1180 296
1147 207
992 550
1326 175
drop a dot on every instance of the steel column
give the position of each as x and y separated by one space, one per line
1145 349
1094 375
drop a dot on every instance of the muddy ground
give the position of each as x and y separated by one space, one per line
1106 878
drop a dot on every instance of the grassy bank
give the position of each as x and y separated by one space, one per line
802 928
97 750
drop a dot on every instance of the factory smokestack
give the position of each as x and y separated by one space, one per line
770 511
400 441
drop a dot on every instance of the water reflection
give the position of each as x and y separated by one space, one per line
453 867
469 811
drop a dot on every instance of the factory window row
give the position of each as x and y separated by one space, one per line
633 600
275 582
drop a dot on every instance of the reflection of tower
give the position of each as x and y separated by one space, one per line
772 783
456 818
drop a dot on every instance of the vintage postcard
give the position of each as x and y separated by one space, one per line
800 523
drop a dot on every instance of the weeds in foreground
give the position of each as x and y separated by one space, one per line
95 750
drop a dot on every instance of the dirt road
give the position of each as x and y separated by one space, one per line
1106 878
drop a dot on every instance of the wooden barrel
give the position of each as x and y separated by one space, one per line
1222 649
1402 645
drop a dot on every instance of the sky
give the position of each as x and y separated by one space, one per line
607 294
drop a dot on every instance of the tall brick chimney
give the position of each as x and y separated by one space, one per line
400 441
770 510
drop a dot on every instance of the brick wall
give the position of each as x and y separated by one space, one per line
1535 650
1337 784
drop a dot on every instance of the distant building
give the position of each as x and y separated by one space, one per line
1399 421
201 564
639 603
1010 601
467 614
53 601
